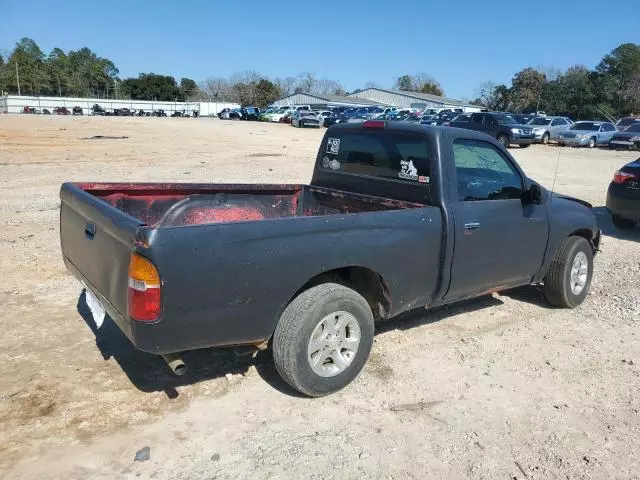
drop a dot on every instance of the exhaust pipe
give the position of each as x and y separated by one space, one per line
175 363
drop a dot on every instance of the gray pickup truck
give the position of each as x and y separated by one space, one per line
397 216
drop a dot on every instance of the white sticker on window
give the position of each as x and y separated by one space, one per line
334 164
408 170
325 161
333 146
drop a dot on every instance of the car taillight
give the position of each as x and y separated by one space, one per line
373 124
144 290
620 177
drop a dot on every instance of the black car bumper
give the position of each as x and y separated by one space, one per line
624 206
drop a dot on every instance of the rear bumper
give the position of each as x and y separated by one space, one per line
623 207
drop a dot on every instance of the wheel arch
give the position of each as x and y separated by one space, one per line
368 283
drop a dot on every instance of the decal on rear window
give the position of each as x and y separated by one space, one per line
408 170
333 146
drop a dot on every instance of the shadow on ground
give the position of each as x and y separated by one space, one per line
149 373
603 216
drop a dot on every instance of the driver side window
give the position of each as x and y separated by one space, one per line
483 173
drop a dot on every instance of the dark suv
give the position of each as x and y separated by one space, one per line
502 127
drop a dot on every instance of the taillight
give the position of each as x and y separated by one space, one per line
144 290
373 124
620 177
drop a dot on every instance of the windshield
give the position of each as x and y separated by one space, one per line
594 127
623 122
633 128
540 121
504 119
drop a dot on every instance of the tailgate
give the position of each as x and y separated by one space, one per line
96 240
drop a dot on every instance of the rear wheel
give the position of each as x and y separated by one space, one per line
622 223
545 138
504 140
323 339
569 277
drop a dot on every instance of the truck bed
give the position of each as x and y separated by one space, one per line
173 205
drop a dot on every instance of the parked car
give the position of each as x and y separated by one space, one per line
77 111
501 127
123 112
30 110
305 268
460 121
250 113
61 111
97 110
623 196
159 113
587 134
46 111
629 138
626 121
224 114
428 119
548 128
334 119
305 118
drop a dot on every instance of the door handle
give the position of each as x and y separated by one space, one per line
469 227
90 230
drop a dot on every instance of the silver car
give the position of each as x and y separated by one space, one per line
587 134
549 128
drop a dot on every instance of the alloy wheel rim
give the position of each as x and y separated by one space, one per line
333 344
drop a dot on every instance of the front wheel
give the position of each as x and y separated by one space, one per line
592 142
569 277
504 140
323 339
545 138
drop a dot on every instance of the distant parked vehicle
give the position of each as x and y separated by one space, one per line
159 113
61 111
30 110
625 122
304 119
46 111
224 114
123 112
629 138
98 110
140 113
176 114
501 127
587 134
460 121
548 128
77 111
250 113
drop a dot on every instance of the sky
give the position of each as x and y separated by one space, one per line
460 43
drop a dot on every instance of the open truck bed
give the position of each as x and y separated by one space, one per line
175 205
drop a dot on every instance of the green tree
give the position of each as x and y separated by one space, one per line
432 87
188 88
265 92
28 60
526 89
404 82
615 73
151 86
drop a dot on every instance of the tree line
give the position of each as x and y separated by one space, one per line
611 89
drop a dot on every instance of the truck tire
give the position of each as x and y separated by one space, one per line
622 223
569 277
504 140
323 339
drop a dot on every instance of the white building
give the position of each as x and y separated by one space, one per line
405 99
16 104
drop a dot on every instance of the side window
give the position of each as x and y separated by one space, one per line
610 128
483 173
476 118
557 122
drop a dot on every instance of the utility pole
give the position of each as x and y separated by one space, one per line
115 83
18 78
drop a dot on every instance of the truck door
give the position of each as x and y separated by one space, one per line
499 240
476 121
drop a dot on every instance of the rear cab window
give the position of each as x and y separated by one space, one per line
390 155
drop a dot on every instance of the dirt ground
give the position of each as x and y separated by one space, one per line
499 387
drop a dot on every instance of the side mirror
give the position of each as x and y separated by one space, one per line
534 194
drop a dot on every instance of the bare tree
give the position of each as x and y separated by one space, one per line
216 88
371 84
286 85
324 86
306 82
